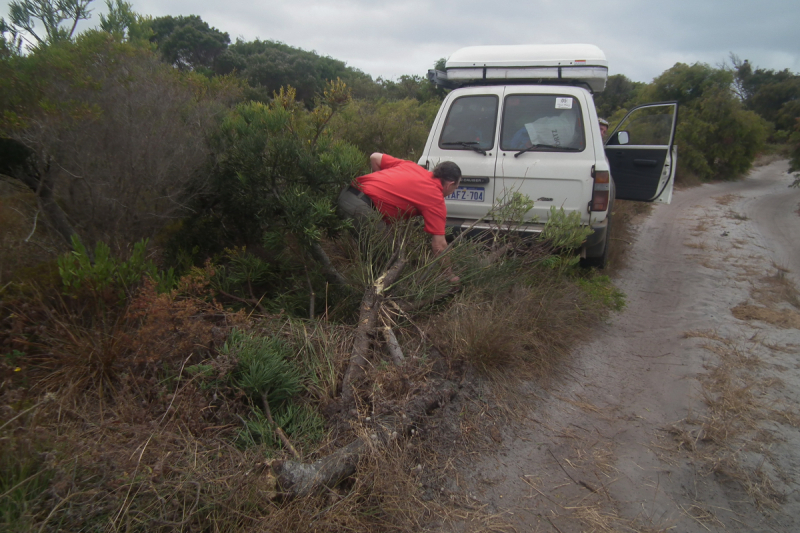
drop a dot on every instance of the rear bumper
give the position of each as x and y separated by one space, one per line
593 247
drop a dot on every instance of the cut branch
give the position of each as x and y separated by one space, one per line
393 346
367 319
300 479
328 270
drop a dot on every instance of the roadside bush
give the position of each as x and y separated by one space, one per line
276 169
716 137
114 136
399 128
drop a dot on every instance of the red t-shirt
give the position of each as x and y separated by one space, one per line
403 189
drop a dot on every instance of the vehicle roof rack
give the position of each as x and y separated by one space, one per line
556 64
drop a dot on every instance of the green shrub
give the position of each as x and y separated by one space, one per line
267 373
96 274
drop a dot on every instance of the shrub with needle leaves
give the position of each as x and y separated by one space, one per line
267 374
264 369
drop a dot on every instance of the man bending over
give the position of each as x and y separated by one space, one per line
401 189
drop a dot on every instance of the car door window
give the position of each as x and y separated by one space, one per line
651 126
542 123
471 123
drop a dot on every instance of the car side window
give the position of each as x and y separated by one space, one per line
648 126
471 123
550 122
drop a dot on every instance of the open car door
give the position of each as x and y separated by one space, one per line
642 155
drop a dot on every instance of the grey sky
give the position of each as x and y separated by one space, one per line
640 38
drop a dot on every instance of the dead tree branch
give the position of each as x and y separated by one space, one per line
296 479
367 319
393 346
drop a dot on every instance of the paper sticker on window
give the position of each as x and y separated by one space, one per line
564 103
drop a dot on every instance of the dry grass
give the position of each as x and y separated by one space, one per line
783 318
696 245
686 179
736 216
722 440
591 512
540 323
727 199
767 159
144 423
777 288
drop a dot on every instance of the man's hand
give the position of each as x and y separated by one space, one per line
439 245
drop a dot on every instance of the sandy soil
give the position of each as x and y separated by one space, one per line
682 413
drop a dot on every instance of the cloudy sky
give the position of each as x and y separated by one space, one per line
641 38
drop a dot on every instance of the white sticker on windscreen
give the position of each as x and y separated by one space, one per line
564 103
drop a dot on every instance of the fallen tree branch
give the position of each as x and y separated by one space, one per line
393 346
296 479
367 319
254 302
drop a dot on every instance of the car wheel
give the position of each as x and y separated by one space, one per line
600 261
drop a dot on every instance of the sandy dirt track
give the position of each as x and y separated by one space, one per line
683 412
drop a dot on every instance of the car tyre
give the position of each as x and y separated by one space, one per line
600 261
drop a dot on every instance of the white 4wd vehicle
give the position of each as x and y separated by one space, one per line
522 119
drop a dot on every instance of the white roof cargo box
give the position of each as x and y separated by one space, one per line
532 63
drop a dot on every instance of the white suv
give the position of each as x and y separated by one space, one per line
522 119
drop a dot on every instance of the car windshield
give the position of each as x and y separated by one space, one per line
470 124
537 122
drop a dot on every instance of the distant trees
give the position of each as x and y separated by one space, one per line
268 65
398 127
717 137
188 42
618 93
775 95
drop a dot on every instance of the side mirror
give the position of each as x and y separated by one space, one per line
623 137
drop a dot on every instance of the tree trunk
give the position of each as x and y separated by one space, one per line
367 320
296 479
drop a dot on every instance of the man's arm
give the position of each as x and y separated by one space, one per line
375 161
438 244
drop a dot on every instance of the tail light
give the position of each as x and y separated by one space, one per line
601 190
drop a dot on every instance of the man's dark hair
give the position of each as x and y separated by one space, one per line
447 171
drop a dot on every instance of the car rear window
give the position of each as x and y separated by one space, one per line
553 122
471 123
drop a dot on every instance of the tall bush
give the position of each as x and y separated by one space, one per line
113 135
716 137
399 128
277 170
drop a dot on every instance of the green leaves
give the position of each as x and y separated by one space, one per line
79 271
563 230
717 137
264 367
277 168
24 15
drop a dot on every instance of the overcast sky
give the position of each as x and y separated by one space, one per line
641 38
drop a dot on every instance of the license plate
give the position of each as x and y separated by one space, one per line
468 194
